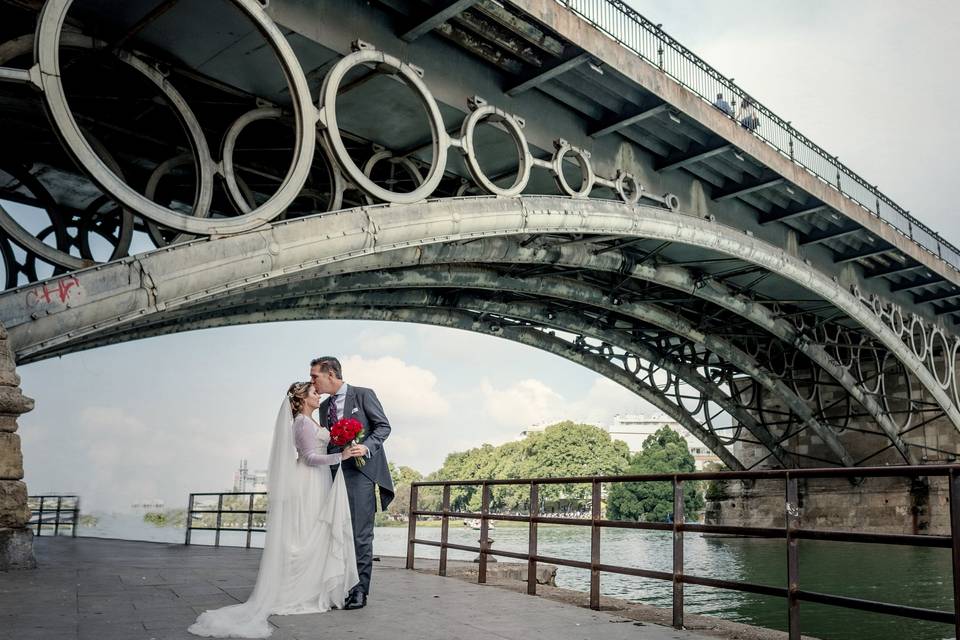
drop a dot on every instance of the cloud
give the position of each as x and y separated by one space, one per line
525 402
116 458
532 401
381 343
404 389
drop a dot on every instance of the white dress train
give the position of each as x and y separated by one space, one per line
308 563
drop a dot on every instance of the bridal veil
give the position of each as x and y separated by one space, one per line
308 562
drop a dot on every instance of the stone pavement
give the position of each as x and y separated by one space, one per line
89 588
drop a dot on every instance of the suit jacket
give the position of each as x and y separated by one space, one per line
362 404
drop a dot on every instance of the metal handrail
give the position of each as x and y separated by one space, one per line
647 40
54 510
219 511
791 533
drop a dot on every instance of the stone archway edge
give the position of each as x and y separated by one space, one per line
48 313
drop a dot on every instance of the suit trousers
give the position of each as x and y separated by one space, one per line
361 494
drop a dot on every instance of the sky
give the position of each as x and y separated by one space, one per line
164 417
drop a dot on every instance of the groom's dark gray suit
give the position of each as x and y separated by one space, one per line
362 482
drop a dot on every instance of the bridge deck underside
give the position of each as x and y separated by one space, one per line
215 58
786 381
737 318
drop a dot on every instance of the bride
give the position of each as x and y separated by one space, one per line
308 563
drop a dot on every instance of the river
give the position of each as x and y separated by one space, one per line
913 576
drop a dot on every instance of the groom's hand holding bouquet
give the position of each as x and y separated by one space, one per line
348 432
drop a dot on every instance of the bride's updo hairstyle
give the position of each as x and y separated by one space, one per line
297 392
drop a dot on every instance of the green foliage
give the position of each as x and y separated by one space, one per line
88 520
716 489
168 518
402 478
663 452
563 449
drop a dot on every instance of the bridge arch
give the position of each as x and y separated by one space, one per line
115 297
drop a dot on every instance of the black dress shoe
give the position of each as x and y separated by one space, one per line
356 600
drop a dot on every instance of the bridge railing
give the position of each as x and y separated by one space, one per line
50 513
231 511
791 533
644 38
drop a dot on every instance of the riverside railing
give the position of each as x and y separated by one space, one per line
791 533
236 515
646 39
53 512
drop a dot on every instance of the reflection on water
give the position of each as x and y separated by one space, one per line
913 576
904 575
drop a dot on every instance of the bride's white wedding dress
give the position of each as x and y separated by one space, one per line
308 563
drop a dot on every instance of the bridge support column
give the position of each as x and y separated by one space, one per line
16 540
876 505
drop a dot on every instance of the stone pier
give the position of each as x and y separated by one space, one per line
16 540
878 505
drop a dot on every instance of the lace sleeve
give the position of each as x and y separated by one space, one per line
306 442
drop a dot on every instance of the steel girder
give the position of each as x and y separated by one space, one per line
132 287
342 292
509 250
465 320
582 294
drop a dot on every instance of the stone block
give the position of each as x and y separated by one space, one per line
16 549
13 402
7 365
11 457
8 424
14 512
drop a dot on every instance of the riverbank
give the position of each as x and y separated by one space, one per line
511 576
122 590
913 576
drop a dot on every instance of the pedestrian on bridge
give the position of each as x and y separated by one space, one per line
748 116
722 104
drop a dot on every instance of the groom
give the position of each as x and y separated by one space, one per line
347 401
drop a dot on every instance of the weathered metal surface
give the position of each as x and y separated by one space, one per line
753 317
184 278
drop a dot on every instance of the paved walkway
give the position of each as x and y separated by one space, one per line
88 588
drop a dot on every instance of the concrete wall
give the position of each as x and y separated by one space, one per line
876 505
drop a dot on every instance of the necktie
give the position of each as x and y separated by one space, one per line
332 412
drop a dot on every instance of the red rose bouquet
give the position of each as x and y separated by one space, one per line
345 432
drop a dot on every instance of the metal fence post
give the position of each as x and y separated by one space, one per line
56 521
484 532
532 540
595 546
412 525
792 513
40 518
189 519
954 481
444 529
678 518
76 516
249 520
216 539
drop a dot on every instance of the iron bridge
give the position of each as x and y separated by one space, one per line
549 172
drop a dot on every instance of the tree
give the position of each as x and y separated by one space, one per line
403 477
663 452
563 449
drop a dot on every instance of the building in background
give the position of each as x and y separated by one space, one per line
634 429
154 505
540 427
246 480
